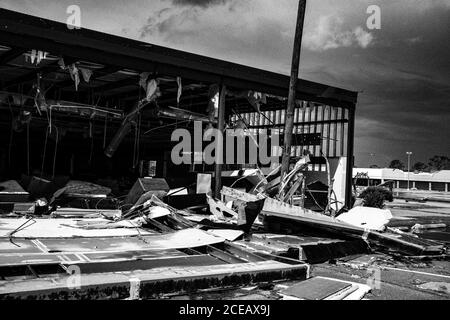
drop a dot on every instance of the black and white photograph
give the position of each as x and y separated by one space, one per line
228 158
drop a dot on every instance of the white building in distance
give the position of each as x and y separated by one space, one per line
434 181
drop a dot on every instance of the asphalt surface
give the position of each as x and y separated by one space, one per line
391 277
394 284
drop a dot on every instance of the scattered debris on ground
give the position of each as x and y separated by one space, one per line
237 243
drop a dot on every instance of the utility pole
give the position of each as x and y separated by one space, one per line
289 119
409 163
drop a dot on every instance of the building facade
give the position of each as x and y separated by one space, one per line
435 181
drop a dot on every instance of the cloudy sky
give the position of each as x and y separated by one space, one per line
402 71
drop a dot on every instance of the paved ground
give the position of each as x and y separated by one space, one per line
406 279
421 194
423 281
412 281
389 277
409 213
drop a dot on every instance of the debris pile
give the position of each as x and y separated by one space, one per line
259 236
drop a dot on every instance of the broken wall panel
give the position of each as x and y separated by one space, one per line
312 122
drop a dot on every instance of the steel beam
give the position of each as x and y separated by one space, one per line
30 76
220 145
31 32
350 158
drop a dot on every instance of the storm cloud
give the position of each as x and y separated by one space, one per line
400 71
329 34
198 3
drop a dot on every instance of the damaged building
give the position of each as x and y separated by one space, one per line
73 102
89 182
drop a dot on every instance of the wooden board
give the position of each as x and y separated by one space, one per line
83 213
61 228
147 263
14 259
309 249
315 289
86 265
404 243
187 238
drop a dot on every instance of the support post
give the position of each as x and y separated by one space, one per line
350 148
409 165
220 142
289 119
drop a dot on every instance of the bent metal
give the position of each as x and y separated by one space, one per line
235 139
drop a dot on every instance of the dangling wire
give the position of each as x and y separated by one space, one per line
56 150
45 151
38 94
50 121
104 131
136 133
135 145
329 180
167 125
314 199
91 135
19 228
11 133
28 148
139 137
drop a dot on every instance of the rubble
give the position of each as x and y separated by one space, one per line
259 234
368 218
113 205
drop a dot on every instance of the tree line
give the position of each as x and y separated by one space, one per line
436 163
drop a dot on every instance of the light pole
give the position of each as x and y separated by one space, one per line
372 155
409 163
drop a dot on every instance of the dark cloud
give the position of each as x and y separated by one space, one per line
401 77
400 71
258 41
403 86
198 3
